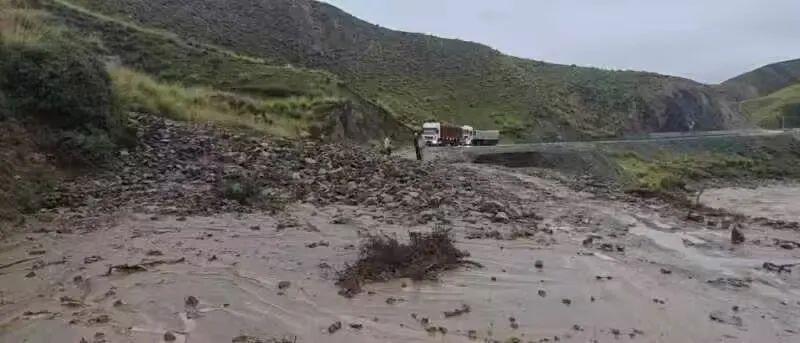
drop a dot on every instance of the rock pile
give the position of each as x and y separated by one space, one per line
184 169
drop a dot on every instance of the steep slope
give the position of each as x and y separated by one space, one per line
420 77
779 109
764 80
173 59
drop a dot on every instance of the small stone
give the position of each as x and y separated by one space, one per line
566 301
542 293
255 228
538 264
191 301
30 274
169 336
665 271
284 285
334 327
356 326
500 217
494 278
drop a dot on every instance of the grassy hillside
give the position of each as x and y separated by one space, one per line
419 77
777 109
176 61
763 81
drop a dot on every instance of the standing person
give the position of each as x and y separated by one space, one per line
417 150
387 146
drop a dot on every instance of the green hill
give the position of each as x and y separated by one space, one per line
418 77
778 109
763 81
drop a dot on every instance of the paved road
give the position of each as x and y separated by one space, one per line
470 152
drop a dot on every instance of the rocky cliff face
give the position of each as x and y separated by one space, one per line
418 77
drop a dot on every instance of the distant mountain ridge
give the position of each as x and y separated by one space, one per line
419 77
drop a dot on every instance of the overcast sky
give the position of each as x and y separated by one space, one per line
705 40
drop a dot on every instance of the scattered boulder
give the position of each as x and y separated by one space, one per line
334 327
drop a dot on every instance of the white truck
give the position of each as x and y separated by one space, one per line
486 137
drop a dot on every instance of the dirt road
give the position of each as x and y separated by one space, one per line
610 271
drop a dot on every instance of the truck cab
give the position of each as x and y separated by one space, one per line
431 133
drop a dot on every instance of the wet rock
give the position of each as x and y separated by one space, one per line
101 319
730 282
695 217
334 327
169 337
341 220
91 259
472 334
737 237
724 318
778 268
70 302
191 301
393 300
457 312
501 217
284 285
313 245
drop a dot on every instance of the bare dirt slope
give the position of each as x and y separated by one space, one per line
166 257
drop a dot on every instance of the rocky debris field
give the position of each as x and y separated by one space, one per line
186 169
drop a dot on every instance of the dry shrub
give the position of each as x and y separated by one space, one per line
383 258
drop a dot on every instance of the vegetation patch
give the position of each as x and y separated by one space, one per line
286 117
383 258
670 173
48 76
777 110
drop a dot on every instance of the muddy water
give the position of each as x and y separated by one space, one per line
776 202
234 271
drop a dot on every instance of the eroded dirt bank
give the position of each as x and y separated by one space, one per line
127 258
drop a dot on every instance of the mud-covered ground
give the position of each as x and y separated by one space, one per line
550 264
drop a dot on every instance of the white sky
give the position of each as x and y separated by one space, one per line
705 40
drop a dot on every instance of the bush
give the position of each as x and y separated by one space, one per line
59 83
382 258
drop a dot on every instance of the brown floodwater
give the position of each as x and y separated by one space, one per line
581 294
